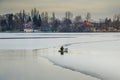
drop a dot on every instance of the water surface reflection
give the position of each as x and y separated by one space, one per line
29 65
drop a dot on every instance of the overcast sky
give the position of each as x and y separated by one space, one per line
97 8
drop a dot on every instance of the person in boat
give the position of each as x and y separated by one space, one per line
62 50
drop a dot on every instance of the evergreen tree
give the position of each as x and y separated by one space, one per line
10 22
39 21
29 19
3 25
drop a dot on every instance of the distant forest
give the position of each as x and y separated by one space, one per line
41 22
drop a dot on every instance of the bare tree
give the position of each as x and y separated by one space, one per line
68 15
116 17
88 16
46 17
78 19
53 16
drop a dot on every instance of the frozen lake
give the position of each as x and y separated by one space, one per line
22 55
28 65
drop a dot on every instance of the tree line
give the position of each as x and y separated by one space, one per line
42 22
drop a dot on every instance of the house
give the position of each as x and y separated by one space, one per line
28 27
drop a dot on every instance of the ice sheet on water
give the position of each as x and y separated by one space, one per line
97 58
31 43
103 67
96 54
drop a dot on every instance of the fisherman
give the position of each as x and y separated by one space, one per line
62 50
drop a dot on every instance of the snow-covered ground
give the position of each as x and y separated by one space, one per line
94 54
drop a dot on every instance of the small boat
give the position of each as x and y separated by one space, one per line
65 50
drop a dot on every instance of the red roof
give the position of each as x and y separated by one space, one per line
87 23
